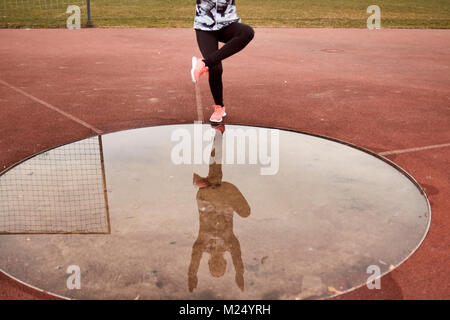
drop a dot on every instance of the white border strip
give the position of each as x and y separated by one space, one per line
51 107
435 146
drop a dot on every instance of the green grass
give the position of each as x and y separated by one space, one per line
258 13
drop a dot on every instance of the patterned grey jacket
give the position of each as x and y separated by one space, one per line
213 15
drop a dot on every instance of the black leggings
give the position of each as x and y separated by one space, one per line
235 36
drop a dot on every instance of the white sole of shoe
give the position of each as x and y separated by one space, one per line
223 116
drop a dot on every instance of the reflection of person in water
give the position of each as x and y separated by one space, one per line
217 201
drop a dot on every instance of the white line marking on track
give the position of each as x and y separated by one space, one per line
48 105
198 99
435 146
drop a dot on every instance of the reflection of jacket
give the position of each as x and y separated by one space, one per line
224 198
213 15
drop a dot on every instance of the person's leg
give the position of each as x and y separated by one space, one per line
208 43
236 36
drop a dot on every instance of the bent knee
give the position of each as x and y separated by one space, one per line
248 32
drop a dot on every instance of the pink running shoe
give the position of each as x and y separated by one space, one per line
198 68
200 182
219 113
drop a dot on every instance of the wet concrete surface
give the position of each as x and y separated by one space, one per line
217 226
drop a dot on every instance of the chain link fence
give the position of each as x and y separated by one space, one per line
105 13
38 13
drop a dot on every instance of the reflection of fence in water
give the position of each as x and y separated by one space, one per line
59 191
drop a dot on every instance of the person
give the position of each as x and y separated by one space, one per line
217 21
217 201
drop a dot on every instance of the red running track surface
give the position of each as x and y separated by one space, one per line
385 90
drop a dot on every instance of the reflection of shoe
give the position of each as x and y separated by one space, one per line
200 182
219 113
218 126
198 68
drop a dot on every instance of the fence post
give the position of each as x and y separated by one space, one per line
89 23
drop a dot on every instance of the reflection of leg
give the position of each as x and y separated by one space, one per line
216 152
215 166
215 162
